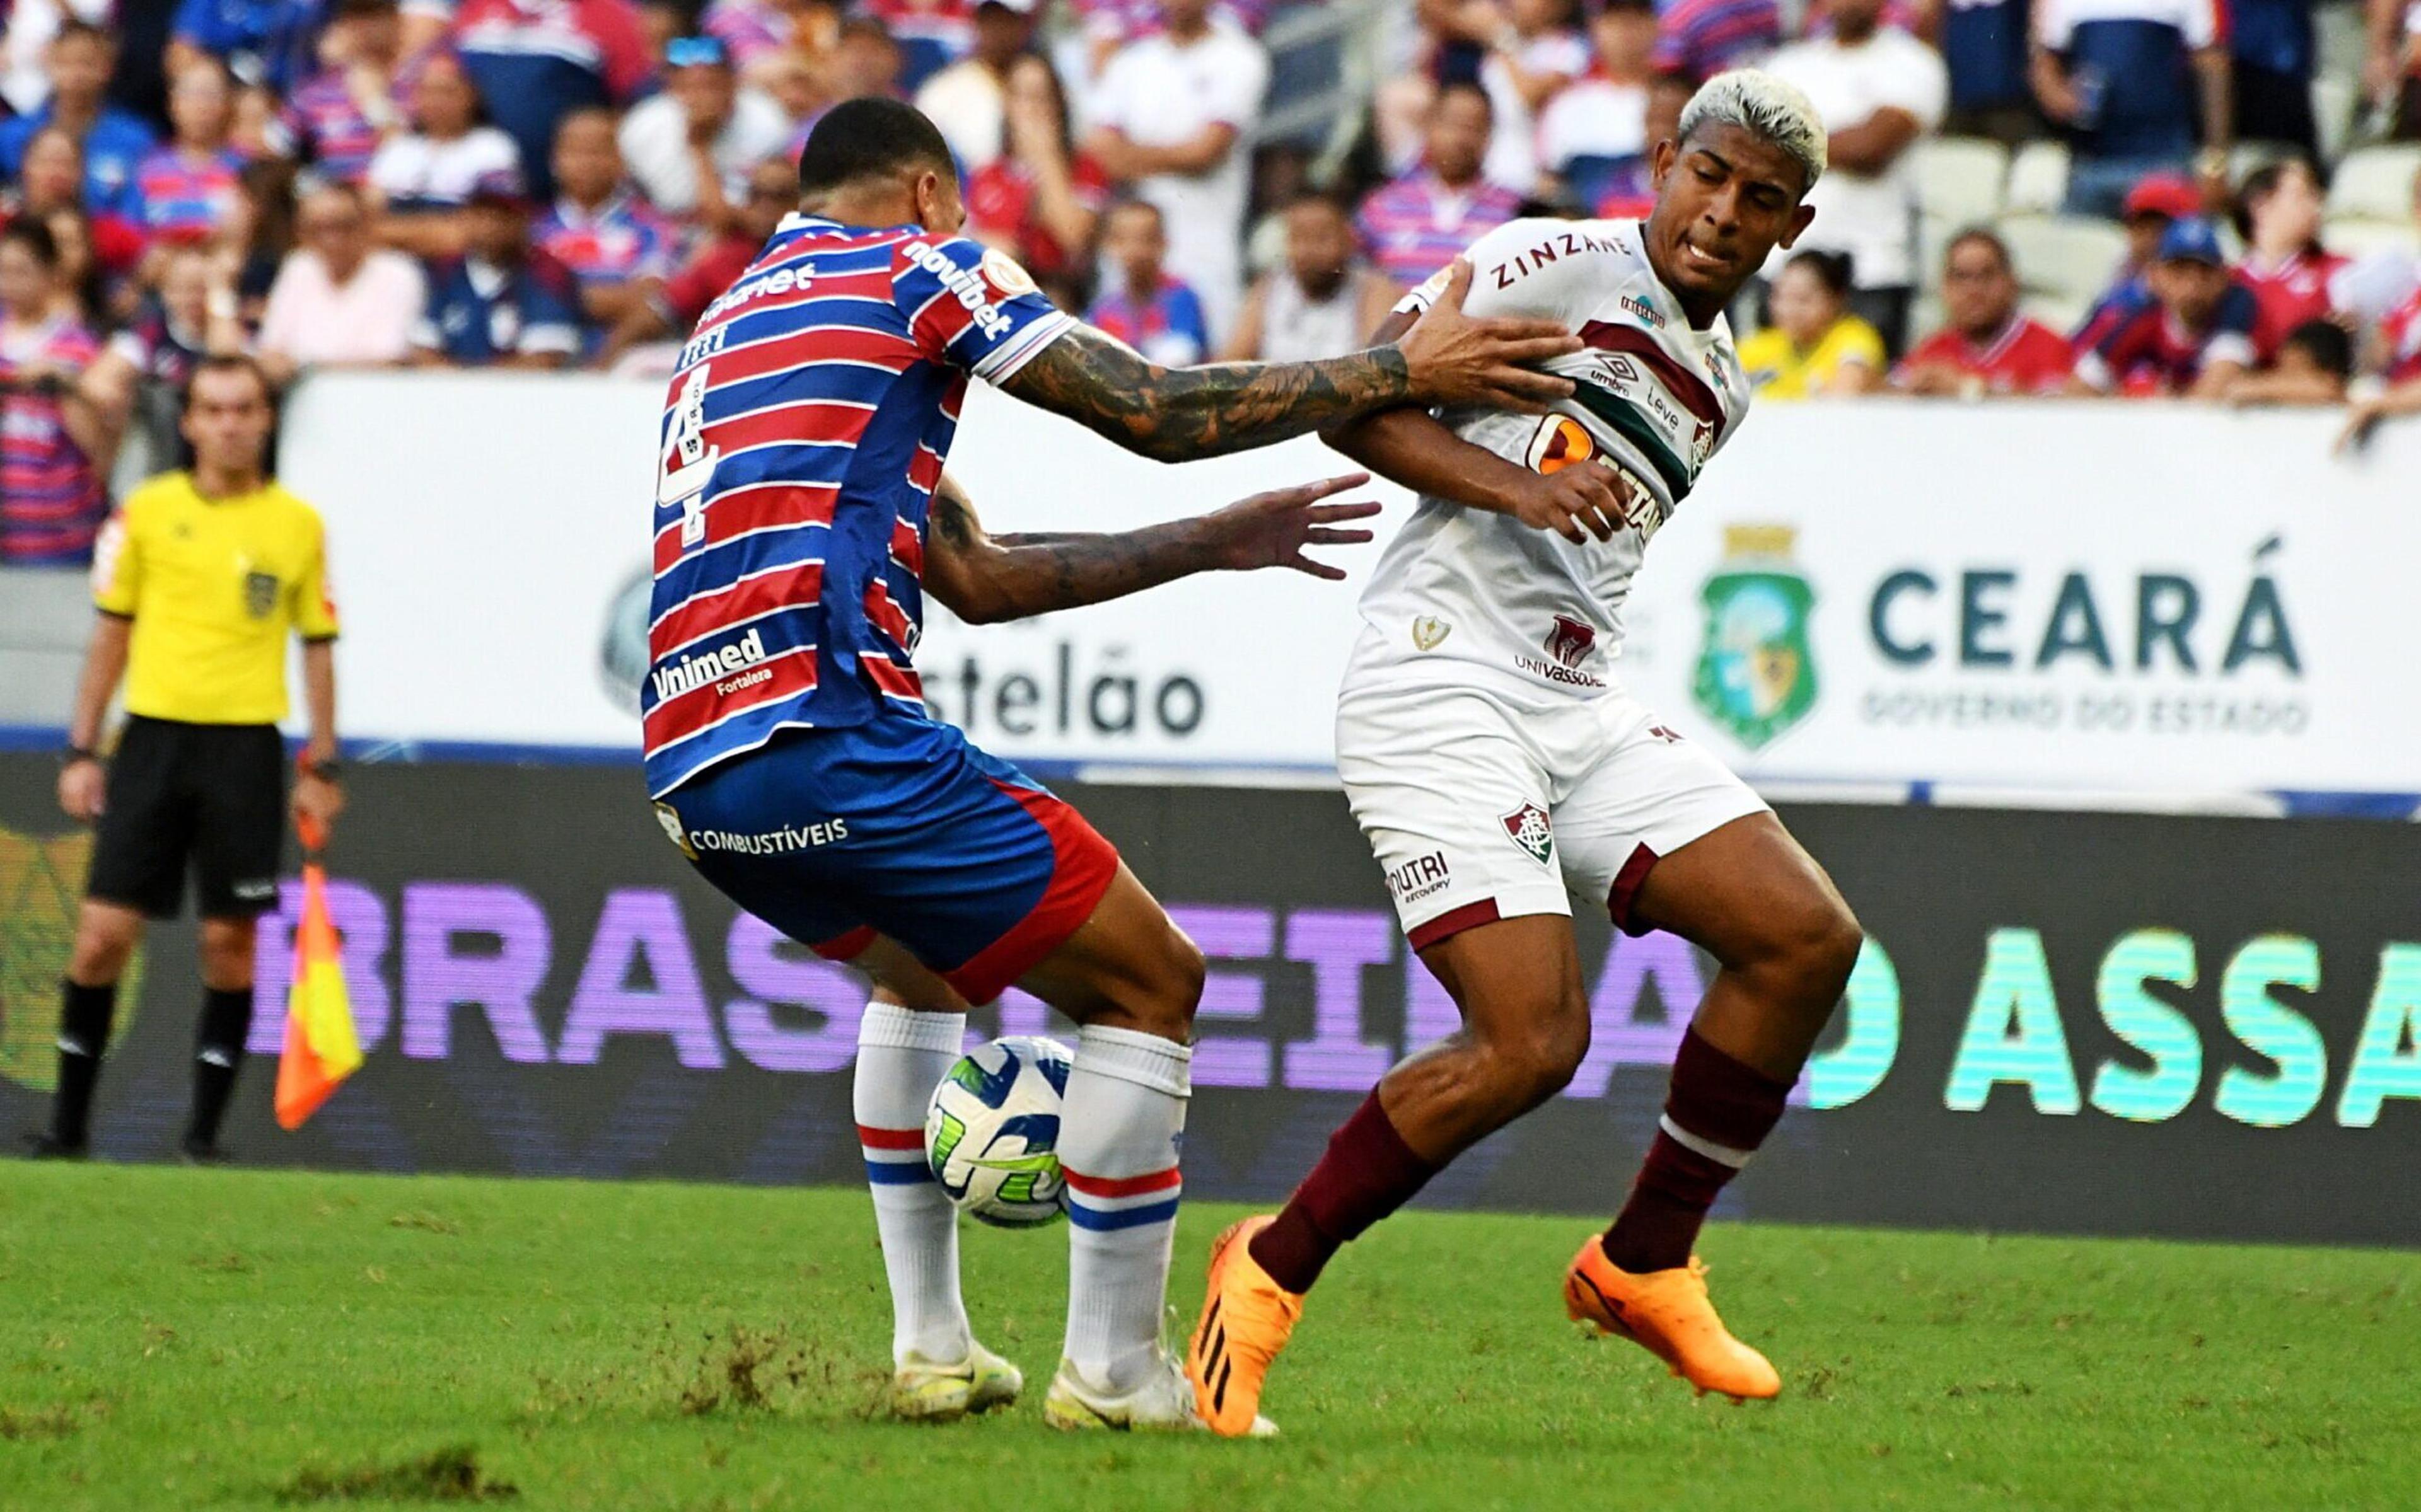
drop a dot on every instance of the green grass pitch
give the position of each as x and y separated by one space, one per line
174 1338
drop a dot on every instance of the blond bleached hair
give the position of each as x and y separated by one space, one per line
1766 105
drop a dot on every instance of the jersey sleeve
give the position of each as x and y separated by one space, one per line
118 563
2231 341
315 601
973 307
1504 281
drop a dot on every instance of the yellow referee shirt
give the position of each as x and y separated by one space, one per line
214 587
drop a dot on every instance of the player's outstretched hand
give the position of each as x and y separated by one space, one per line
1271 529
1457 359
1576 502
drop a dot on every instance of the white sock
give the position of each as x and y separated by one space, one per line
1117 1147
901 1056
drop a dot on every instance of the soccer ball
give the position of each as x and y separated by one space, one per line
991 1131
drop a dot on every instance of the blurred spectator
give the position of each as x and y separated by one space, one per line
1815 347
607 238
2135 83
2391 65
1984 46
256 124
1531 61
1321 301
2400 346
2292 276
424 175
1171 110
2272 54
2193 338
867 61
24 79
931 33
1034 199
497 306
51 180
1989 346
1593 137
259 41
2315 363
1424 220
536 61
2149 209
254 249
756 30
690 146
188 187
966 99
86 294
1878 90
1696 40
340 301
79 60
670 306
54 440
340 114
1139 303
190 314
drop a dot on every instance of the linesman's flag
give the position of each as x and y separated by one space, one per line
320 1046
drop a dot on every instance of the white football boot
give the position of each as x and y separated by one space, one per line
1163 1402
928 1391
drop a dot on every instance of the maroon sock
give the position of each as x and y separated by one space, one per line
1367 1173
1715 1100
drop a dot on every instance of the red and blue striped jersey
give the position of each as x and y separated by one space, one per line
185 199
803 436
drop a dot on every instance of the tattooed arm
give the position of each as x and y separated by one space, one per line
985 579
1176 414
1415 448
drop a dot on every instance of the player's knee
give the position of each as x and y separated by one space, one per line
1527 1064
1818 950
227 950
103 945
1174 989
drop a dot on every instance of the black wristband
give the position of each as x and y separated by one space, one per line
329 770
74 753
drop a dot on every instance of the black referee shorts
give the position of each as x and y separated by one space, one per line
209 796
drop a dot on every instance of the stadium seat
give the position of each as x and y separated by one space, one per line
1933 234
1959 179
2359 238
2063 260
2375 183
2335 99
2038 179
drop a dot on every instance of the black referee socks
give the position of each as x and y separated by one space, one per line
85 1013
218 1051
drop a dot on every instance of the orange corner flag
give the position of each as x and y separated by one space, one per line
321 1049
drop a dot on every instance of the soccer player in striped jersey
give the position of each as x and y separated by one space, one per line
801 517
1502 774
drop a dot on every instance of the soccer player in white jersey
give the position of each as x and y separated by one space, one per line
1502 774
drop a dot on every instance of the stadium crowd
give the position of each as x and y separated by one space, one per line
560 183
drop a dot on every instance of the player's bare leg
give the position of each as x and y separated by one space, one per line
1525 1027
1783 944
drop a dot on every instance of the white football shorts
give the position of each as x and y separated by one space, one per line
1483 807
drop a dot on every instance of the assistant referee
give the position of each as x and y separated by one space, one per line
199 578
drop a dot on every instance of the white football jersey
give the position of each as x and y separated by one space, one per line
1654 398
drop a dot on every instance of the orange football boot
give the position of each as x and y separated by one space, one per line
1667 1313
1246 1319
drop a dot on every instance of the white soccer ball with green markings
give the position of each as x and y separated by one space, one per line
991 1131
